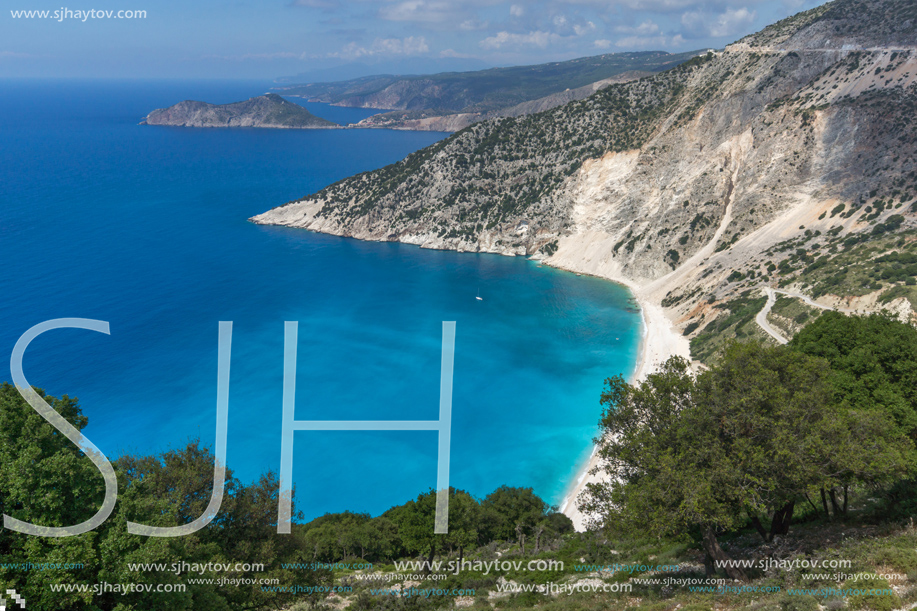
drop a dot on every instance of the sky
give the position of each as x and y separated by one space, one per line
336 39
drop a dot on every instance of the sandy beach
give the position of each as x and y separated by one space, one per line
659 341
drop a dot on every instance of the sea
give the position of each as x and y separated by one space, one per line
147 228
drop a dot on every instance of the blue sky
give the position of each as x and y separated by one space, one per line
336 38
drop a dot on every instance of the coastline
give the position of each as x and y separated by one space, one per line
659 340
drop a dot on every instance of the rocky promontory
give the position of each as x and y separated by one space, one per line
269 110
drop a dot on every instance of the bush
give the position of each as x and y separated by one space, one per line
903 560
872 602
798 603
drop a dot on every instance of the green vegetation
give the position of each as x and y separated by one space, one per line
805 442
875 363
789 315
851 265
406 531
752 435
787 452
44 479
737 321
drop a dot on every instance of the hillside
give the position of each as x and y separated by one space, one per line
432 120
269 110
452 100
785 160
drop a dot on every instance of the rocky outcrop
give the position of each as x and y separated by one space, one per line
269 110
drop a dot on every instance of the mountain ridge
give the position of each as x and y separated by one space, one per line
450 101
698 186
482 90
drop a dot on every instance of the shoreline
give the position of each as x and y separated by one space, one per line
658 342
659 339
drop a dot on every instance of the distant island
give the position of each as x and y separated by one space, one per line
269 110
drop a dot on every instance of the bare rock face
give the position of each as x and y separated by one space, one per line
269 110
678 181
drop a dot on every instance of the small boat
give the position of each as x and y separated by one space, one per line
479 298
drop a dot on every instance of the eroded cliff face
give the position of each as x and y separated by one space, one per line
679 181
750 171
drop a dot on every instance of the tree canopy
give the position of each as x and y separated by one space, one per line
45 479
752 436
874 363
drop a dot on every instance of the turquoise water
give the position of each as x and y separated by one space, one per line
145 227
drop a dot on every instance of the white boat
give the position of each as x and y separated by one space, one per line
479 298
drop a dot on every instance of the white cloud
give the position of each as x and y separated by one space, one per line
584 29
516 10
412 45
646 28
730 23
538 38
426 11
473 24
733 22
602 44
650 42
456 54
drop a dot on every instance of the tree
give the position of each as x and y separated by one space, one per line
464 518
874 364
788 435
415 521
662 481
46 480
514 513
874 359
752 435
378 539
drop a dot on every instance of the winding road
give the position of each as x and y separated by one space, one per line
771 293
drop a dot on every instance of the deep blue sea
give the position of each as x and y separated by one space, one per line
146 227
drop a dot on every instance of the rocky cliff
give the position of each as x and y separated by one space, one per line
787 159
269 110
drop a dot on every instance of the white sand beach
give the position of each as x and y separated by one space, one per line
660 341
